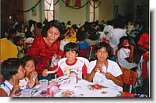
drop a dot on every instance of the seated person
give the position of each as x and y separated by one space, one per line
105 71
12 72
5 47
31 78
72 63
125 54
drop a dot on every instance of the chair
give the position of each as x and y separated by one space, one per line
129 78
84 52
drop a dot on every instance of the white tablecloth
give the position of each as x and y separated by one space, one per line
80 88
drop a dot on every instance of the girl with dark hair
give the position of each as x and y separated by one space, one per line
45 47
31 77
125 54
105 71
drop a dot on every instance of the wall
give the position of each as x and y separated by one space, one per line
11 8
37 13
106 10
78 16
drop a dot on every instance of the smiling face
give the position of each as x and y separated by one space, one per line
53 34
102 54
71 55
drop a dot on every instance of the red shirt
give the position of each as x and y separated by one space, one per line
43 52
144 41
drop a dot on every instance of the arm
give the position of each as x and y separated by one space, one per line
59 72
90 76
34 50
131 55
122 60
84 71
117 80
97 67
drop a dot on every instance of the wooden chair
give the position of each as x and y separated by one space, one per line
129 78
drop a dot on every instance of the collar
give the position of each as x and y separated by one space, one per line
72 63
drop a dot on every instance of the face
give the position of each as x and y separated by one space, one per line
102 54
71 55
29 66
20 74
53 34
125 43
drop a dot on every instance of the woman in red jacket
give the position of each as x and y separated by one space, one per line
46 46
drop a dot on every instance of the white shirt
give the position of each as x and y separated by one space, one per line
112 68
7 87
122 54
23 83
78 67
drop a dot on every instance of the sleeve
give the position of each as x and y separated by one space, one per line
84 71
91 66
122 60
115 69
34 49
3 93
144 41
59 72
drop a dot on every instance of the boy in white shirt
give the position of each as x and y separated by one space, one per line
72 63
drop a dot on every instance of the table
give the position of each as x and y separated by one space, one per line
70 87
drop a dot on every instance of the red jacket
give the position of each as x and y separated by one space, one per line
43 53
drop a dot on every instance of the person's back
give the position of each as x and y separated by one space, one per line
7 49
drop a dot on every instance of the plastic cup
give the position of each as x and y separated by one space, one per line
43 84
26 92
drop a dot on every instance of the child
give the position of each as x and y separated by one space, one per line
31 75
125 54
72 63
12 71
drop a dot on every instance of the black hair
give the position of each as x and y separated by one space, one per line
25 59
104 45
53 23
71 47
10 67
39 25
121 41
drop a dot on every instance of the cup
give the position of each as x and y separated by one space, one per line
26 92
43 84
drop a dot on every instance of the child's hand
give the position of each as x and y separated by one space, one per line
33 75
15 91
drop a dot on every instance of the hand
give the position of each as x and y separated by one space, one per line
44 73
15 90
109 76
98 66
33 75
